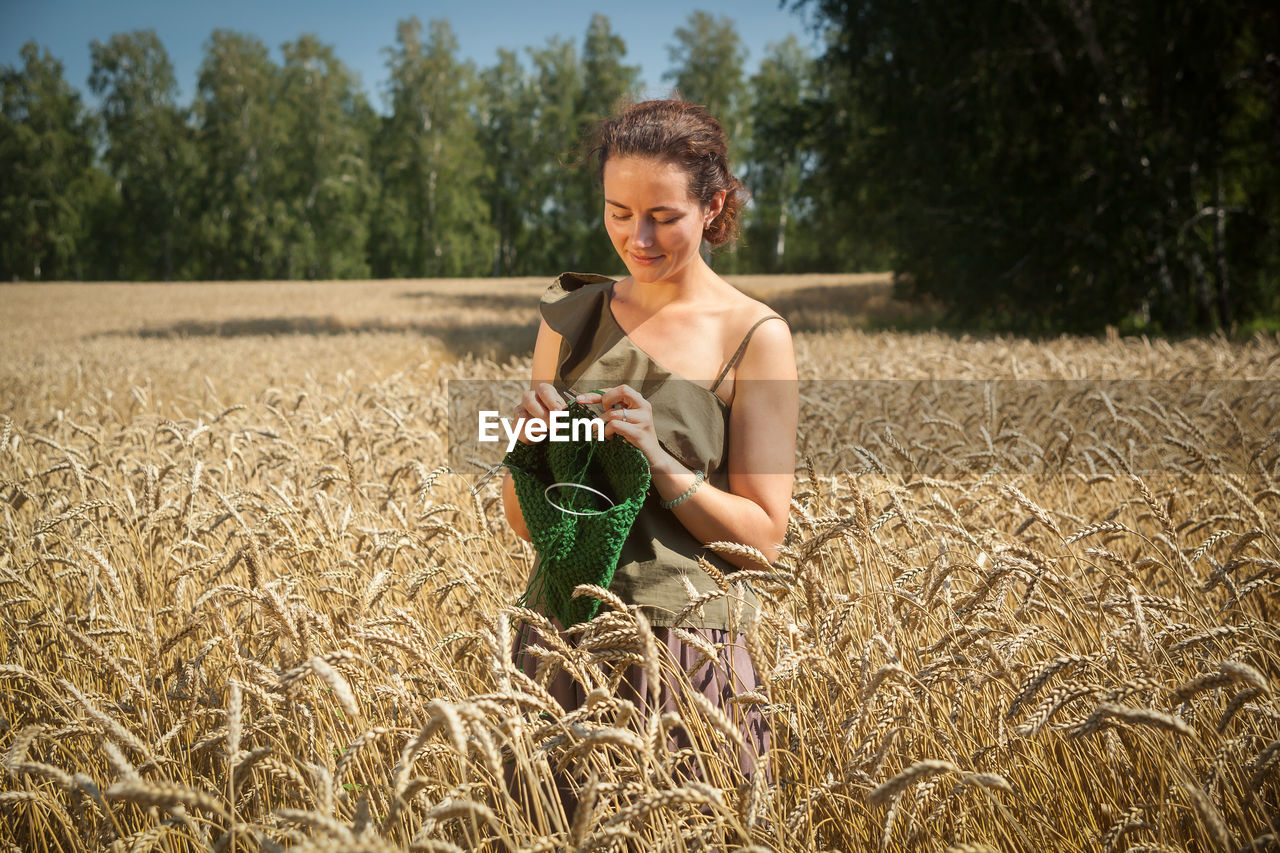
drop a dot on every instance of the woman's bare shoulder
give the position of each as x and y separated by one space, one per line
740 311
761 334
748 316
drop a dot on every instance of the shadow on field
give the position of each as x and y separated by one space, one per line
833 307
809 308
498 341
477 325
490 301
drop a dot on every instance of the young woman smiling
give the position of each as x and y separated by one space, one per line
694 373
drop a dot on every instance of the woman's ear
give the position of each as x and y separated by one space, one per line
714 207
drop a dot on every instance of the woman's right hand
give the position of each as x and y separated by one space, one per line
537 404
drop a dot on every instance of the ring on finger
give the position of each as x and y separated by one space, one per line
624 416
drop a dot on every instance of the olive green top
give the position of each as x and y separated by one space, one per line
691 422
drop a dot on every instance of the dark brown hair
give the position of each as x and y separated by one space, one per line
676 131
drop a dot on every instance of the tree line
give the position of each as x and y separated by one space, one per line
1035 164
285 171
1062 164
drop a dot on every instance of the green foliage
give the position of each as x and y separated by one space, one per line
1046 165
1064 165
241 137
707 58
706 67
535 125
430 218
780 156
505 137
149 153
327 182
556 78
47 184
283 170
607 82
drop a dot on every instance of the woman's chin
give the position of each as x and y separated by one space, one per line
645 272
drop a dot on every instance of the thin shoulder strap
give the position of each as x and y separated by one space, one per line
742 348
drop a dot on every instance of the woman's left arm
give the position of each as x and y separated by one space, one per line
762 439
762 444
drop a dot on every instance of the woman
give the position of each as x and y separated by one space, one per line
698 376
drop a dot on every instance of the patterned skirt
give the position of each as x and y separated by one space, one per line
720 680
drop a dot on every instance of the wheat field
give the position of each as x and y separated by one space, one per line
1027 601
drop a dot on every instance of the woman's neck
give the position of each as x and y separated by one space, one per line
650 297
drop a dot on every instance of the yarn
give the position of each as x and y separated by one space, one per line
580 545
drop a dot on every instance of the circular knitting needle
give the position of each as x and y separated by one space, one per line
547 490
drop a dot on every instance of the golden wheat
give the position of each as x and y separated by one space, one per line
250 605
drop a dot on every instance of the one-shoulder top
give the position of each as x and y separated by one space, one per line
658 568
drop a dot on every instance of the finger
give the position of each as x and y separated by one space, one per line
630 432
548 394
532 406
625 414
616 398
625 397
590 397
639 403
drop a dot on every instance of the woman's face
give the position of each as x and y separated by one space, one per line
655 224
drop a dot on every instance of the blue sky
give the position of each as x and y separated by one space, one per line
360 30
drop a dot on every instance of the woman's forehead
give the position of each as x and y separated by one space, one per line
653 181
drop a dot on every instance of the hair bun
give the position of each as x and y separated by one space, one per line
676 131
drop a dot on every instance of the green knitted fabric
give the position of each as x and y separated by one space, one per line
576 549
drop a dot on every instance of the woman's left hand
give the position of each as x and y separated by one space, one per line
628 414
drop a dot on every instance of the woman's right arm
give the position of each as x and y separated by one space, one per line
536 402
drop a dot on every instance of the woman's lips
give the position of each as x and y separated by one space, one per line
642 259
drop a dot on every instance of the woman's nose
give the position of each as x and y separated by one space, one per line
643 234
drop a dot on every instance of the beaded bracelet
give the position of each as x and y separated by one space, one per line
675 502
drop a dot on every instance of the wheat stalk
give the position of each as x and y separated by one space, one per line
917 772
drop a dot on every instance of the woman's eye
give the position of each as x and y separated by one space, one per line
624 217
